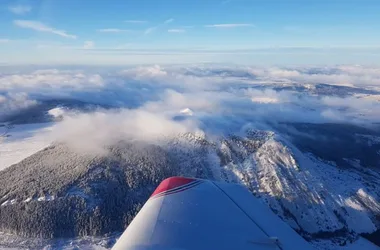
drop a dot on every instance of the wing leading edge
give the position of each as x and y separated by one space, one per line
185 213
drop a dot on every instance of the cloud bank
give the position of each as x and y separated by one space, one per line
92 132
148 102
13 102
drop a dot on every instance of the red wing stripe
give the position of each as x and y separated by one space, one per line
178 188
174 191
172 183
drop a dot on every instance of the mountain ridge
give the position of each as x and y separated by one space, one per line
317 198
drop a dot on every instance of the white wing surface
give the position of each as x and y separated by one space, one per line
192 214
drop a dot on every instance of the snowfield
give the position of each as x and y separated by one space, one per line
21 141
360 244
57 112
11 242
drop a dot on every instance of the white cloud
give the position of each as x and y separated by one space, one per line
112 30
284 73
333 115
13 102
38 26
91 132
89 45
150 30
221 95
266 96
136 21
176 31
351 76
360 71
50 81
57 112
169 21
171 102
20 9
163 77
229 25
145 72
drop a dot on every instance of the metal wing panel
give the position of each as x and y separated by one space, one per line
197 215
264 218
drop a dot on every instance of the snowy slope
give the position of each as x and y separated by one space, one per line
11 242
359 244
316 197
320 196
21 141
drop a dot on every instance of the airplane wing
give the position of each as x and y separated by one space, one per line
193 214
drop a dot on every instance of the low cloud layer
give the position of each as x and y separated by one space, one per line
13 102
148 102
92 132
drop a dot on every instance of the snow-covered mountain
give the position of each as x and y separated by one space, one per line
60 193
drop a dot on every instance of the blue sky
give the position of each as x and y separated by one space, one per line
189 31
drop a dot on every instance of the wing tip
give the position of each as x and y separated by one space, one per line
173 183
